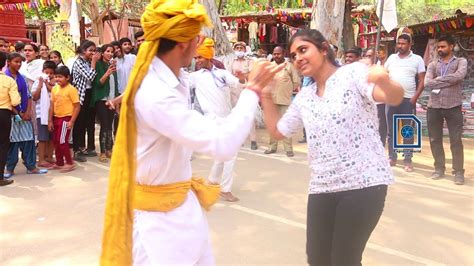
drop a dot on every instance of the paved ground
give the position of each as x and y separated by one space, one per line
56 219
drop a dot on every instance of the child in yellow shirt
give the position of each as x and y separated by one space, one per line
64 109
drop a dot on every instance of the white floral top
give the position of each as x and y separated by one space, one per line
344 147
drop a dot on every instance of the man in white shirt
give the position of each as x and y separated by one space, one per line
212 86
151 193
124 63
406 68
139 39
126 45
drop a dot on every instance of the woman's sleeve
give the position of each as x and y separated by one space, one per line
291 122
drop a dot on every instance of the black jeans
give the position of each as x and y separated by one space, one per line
85 122
116 123
106 119
382 123
404 108
339 224
6 126
454 119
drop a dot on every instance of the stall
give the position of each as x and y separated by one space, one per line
266 29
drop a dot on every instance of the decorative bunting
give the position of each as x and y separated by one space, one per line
469 22
33 4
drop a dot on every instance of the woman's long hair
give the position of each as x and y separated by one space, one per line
315 37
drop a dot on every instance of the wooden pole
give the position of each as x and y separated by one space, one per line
379 30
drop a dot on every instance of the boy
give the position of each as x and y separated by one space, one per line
41 95
63 111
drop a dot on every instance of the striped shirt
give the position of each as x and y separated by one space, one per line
445 81
21 131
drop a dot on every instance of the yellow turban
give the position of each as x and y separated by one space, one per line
206 49
177 20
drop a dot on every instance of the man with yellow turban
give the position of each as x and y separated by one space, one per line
212 89
154 207
214 61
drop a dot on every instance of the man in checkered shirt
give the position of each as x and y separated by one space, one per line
445 77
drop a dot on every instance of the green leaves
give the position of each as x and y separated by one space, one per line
45 13
419 11
235 7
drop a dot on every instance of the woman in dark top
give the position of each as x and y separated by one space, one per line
104 88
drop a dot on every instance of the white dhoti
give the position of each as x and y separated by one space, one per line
177 237
223 173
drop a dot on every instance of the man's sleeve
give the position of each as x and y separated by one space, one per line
295 77
430 78
231 80
457 76
220 139
421 65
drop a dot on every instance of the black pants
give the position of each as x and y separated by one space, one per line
85 122
339 224
6 126
435 118
116 122
382 123
106 119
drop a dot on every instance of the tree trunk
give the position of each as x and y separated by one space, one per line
96 21
348 32
328 18
222 44
222 3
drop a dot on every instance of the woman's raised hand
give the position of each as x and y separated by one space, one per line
262 74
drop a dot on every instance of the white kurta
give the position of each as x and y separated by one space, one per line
168 132
124 68
213 91
32 71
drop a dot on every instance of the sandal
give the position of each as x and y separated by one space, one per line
45 164
37 171
68 168
103 158
8 175
55 167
